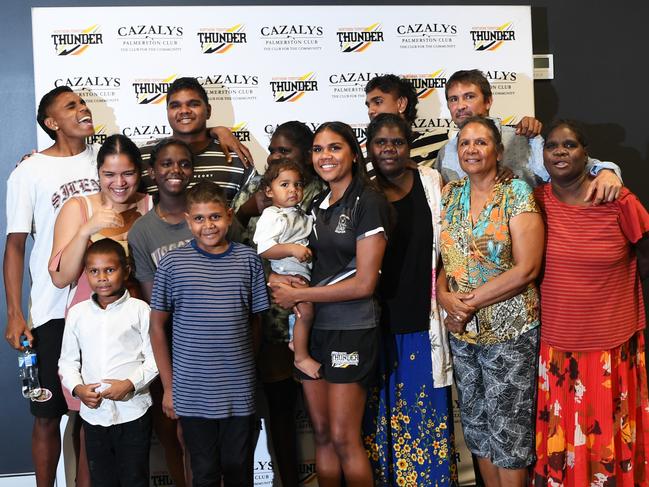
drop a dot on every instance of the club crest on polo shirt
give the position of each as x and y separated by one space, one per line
344 222
342 360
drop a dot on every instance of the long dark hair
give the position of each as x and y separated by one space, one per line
346 132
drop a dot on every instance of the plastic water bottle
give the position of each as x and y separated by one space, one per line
28 372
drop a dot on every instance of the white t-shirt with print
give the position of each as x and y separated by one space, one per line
36 191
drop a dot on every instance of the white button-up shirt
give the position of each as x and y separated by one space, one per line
114 343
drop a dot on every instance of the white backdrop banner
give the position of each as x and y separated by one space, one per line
263 65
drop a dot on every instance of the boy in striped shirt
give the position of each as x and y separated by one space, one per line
214 291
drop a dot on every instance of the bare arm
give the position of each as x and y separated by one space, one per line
71 236
255 325
369 255
528 238
160 346
281 251
13 270
229 143
147 290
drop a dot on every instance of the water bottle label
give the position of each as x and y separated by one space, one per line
291 325
28 361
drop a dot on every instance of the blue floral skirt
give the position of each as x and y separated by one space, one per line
408 424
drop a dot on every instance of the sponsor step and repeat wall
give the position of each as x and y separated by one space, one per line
262 66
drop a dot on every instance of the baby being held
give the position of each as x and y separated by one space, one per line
282 236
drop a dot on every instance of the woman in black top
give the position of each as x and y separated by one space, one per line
348 242
409 411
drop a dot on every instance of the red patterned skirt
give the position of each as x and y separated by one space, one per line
592 425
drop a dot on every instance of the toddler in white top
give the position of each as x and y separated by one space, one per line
282 236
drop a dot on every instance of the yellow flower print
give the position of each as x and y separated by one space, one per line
406 419
402 464
401 481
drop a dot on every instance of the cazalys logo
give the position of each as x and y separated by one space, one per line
73 42
350 84
269 129
292 37
490 38
358 39
93 88
426 35
292 88
150 38
152 91
426 84
230 86
143 133
502 82
219 40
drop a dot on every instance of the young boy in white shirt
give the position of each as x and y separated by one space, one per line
111 332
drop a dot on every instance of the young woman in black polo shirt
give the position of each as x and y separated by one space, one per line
348 243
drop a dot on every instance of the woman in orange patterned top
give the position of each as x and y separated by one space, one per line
492 245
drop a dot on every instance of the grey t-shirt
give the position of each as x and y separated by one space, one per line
150 238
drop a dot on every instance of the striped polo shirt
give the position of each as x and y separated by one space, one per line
591 297
211 298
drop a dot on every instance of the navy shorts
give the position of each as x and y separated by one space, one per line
347 356
48 339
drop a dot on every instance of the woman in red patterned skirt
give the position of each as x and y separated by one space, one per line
592 424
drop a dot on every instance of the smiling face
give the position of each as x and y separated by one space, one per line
564 156
118 178
69 115
477 150
281 147
187 113
378 101
172 170
333 158
389 151
287 189
106 276
465 100
209 224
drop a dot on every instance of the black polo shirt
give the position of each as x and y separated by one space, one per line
361 212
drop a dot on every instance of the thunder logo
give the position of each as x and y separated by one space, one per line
98 137
219 41
486 39
152 91
360 38
241 132
292 89
425 84
74 43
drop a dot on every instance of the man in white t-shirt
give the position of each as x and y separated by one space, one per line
36 191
